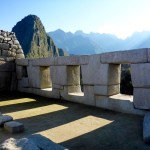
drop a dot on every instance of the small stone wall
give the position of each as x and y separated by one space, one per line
10 50
60 78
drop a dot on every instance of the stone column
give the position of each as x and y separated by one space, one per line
140 74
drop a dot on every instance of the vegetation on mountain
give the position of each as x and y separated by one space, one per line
34 40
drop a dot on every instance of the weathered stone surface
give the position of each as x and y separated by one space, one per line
119 103
70 75
96 73
19 51
43 78
73 60
4 46
25 82
45 143
107 90
73 75
16 42
5 53
146 128
19 56
89 95
14 127
130 56
56 71
5 118
47 92
56 86
22 62
140 75
7 66
21 144
5 81
141 98
13 86
10 59
33 142
44 61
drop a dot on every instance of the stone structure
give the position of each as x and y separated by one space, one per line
10 50
59 77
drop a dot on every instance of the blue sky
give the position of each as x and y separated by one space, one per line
119 17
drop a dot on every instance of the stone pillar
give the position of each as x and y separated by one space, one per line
141 83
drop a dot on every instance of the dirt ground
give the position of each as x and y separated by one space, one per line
75 126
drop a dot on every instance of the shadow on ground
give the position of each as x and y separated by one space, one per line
75 126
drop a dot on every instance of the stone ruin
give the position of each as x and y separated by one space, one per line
10 49
60 77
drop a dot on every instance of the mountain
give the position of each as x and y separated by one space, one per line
74 44
34 40
82 43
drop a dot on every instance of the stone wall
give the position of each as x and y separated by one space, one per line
60 78
10 50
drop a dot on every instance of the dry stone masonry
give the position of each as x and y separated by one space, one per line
10 50
60 77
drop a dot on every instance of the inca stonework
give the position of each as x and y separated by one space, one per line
10 50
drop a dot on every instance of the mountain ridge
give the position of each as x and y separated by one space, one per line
97 42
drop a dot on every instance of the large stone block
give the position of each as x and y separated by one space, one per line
59 75
4 119
39 77
47 92
7 66
14 127
19 72
130 56
22 62
73 75
140 75
65 75
107 90
89 95
13 86
96 73
146 128
5 81
44 61
4 46
141 98
73 60
19 144
119 103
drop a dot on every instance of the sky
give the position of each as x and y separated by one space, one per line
119 17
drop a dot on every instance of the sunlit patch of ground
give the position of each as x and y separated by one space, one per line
72 125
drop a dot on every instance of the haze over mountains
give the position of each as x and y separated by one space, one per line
80 43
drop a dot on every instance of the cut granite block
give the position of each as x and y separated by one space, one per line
14 126
4 119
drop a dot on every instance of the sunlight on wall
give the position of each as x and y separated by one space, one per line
75 129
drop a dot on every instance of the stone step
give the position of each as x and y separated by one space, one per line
14 127
4 119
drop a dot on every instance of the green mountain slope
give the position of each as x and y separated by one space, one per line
33 38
